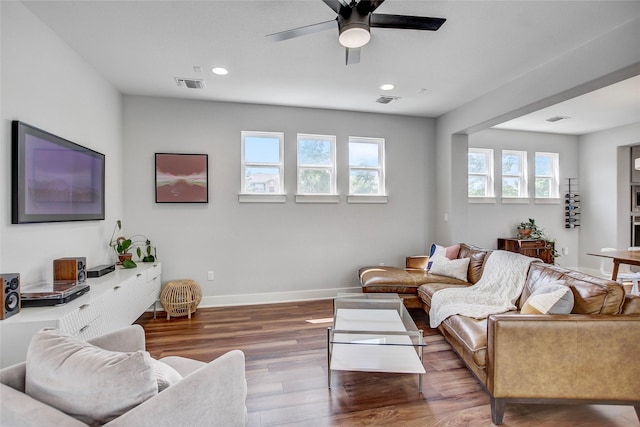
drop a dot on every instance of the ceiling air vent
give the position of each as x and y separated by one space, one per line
557 119
384 99
190 83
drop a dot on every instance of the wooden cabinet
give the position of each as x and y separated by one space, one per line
114 301
542 249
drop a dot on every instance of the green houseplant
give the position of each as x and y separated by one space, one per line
531 230
123 245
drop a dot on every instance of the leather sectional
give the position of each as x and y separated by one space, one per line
586 357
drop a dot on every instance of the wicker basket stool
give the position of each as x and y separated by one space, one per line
181 298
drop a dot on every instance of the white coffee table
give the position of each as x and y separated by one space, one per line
374 333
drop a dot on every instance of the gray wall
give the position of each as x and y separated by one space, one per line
263 252
486 222
605 178
603 61
46 84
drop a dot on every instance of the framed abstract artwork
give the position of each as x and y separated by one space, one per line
182 178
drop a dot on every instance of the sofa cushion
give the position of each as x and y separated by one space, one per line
456 268
470 336
553 298
476 257
165 375
426 291
591 295
87 382
397 280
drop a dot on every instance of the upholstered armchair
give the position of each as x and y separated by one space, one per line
208 394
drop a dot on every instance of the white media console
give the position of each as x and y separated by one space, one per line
114 301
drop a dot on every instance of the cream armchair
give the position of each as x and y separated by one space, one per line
209 394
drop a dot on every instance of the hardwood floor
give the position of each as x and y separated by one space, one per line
286 370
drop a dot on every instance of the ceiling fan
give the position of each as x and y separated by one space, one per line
355 20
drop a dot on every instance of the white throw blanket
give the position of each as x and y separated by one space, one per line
498 289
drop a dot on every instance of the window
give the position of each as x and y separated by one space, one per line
262 163
366 167
316 165
480 172
514 174
547 172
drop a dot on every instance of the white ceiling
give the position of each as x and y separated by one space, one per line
140 46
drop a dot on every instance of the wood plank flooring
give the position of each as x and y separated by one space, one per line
286 370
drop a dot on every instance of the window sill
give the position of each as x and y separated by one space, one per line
262 198
317 198
548 201
368 199
481 200
515 200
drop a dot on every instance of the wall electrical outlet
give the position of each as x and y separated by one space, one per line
209 275
565 251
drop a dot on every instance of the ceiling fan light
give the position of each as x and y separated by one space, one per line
354 36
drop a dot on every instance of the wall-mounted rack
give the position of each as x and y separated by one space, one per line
572 204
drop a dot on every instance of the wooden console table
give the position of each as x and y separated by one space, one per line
537 248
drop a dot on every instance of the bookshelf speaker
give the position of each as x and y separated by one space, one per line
10 294
70 269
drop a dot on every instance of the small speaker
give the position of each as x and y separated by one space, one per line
70 269
10 294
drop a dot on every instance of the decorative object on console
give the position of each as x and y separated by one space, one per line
122 245
182 178
101 270
10 294
181 298
70 269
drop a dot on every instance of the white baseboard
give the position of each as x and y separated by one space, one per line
274 297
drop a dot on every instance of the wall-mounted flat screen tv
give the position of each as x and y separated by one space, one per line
54 179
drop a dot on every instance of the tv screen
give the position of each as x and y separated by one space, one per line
54 179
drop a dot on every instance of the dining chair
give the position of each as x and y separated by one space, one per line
624 272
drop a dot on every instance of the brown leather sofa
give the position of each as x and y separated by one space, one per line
589 356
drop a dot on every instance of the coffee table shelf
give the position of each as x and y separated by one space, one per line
374 333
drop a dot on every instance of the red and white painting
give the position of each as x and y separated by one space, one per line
181 178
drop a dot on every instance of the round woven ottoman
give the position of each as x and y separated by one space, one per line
181 298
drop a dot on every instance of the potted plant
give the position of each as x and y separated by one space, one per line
524 230
123 245
531 230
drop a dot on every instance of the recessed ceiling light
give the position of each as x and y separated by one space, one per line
557 118
220 71
387 86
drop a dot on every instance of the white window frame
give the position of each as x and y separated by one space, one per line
381 196
489 197
332 195
523 194
554 177
270 197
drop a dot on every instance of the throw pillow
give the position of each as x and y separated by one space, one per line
450 252
552 298
165 375
456 268
87 382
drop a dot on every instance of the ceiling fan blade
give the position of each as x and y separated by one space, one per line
352 55
333 4
302 31
368 6
406 22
